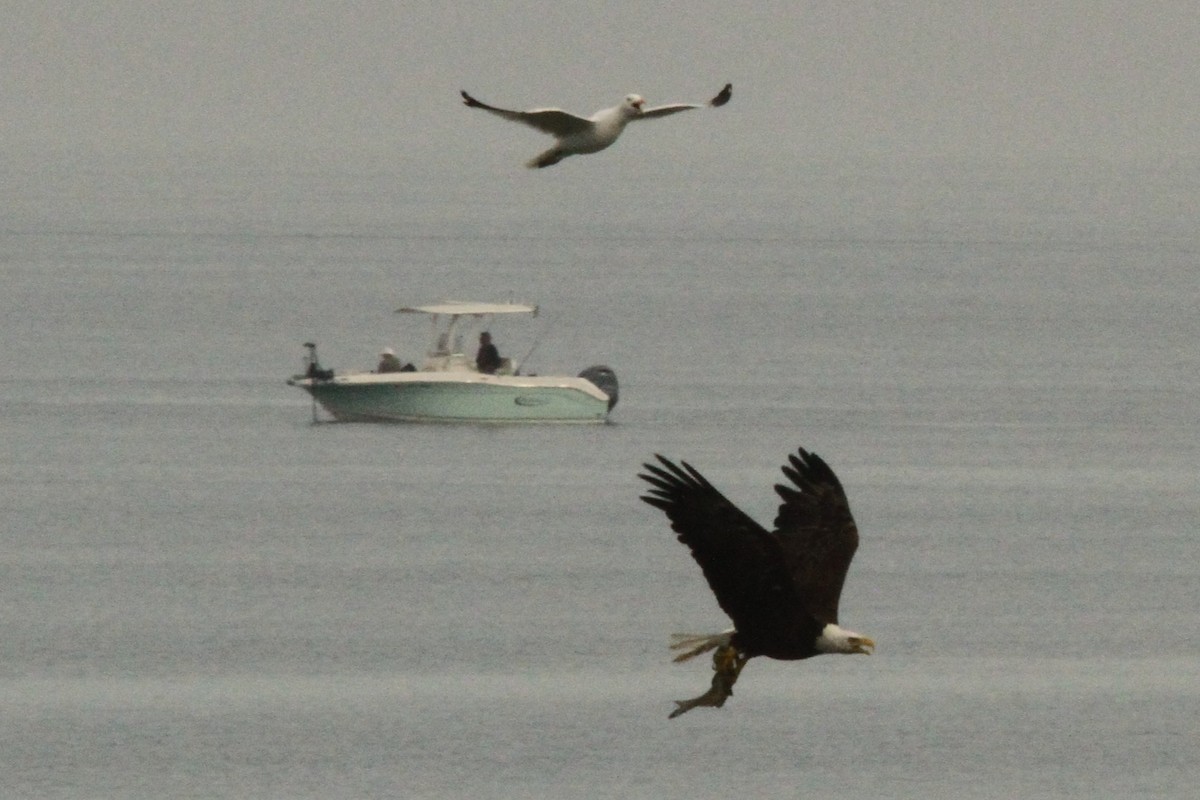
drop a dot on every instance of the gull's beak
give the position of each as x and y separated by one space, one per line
864 645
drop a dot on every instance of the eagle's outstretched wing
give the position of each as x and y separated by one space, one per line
817 533
741 560
547 120
661 111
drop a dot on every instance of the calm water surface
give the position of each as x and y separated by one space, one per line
205 594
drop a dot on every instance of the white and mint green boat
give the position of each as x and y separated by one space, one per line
448 388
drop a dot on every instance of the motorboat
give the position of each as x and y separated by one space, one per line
449 387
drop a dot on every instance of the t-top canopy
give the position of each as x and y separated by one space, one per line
477 309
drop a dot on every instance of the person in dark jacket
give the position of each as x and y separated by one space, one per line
487 360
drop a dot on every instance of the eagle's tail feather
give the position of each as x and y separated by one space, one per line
694 644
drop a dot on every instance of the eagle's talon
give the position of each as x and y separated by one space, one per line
728 661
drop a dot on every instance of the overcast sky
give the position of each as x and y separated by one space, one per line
817 80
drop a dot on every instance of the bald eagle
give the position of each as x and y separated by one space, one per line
779 587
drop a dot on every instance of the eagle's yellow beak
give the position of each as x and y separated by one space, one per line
863 644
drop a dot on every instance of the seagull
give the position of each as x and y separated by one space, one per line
577 135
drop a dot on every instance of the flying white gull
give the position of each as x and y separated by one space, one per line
577 135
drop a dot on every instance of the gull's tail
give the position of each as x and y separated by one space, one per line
546 159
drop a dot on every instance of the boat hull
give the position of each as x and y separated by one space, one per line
418 397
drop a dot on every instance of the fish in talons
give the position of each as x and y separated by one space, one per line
727 665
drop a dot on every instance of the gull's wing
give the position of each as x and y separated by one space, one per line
547 120
816 531
662 111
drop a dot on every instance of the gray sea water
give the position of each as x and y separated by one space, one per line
205 594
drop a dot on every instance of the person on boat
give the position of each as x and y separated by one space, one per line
388 361
487 360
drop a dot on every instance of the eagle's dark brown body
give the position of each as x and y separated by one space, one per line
780 587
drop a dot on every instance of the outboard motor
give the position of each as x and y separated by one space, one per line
605 380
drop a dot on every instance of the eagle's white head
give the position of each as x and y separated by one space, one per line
839 640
